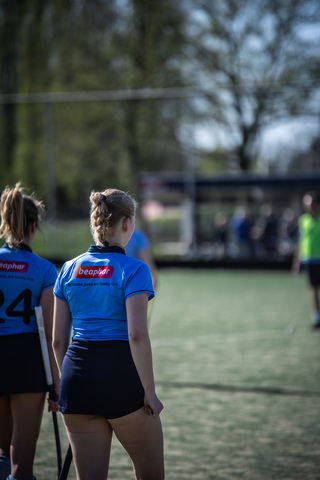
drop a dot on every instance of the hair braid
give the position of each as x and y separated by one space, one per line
107 208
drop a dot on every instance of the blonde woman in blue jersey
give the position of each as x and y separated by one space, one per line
26 281
107 383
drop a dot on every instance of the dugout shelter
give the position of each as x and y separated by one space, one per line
201 198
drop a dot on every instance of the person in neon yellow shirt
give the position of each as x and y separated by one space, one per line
309 249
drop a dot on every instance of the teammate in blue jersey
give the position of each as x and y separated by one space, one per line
26 281
139 247
107 381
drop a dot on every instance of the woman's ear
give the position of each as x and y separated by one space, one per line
33 227
125 224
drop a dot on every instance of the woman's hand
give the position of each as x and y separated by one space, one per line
53 403
152 405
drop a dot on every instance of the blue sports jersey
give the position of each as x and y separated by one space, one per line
96 285
23 276
137 242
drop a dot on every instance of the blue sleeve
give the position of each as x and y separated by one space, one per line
58 290
139 282
50 276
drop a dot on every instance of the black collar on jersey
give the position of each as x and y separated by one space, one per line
21 246
106 249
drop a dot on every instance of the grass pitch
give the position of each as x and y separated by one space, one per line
238 369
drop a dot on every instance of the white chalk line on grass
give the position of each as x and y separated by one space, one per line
275 334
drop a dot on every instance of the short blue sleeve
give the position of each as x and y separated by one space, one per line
139 281
50 274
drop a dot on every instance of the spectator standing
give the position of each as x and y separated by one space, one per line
241 227
269 232
288 233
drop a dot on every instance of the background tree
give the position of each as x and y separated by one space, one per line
260 55
308 157
9 26
64 47
151 44
98 45
253 62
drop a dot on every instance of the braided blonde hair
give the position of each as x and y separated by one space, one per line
18 212
107 209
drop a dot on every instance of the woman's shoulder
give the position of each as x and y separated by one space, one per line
132 265
43 264
69 264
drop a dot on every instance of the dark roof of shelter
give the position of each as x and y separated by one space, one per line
167 181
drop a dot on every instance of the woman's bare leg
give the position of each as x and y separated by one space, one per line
141 435
5 425
5 436
90 437
315 299
27 410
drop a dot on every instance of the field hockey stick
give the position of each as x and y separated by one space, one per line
66 464
52 394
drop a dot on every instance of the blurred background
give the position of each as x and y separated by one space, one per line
208 112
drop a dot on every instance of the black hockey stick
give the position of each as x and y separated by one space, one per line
66 464
52 395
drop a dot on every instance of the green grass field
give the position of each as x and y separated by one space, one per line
238 369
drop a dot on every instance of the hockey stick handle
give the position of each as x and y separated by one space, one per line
45 354
44 346
47 368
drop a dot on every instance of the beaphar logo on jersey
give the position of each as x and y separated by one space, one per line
18 267
85 271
